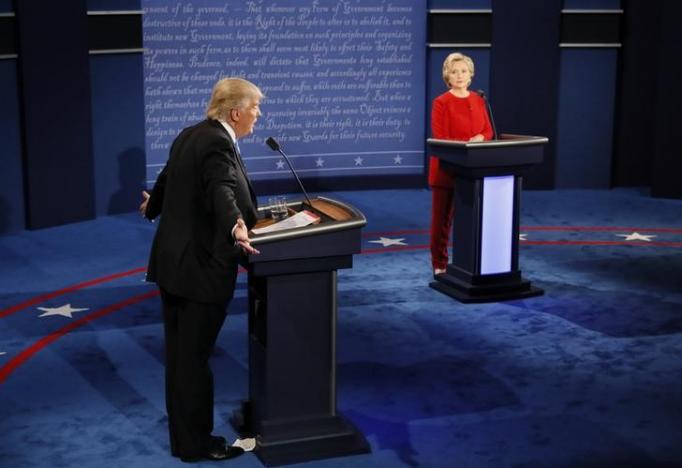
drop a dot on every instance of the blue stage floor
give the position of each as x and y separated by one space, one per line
590 374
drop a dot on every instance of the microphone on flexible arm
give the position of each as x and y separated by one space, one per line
274 145
481 93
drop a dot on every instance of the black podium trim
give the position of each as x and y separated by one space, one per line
468 293
294 441
454 271
332 437
280 267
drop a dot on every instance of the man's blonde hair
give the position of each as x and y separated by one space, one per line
231 93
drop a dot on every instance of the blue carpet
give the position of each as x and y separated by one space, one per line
590 374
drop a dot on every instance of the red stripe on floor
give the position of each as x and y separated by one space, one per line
599 228
537 228
395 233
44 297
639 243
396 248
28 353
399 248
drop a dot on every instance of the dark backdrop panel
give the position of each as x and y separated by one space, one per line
590 28
459 4
8 35
118 131
591 4
114 31
459 28
586 114
524 69
637 95
55 94
11 185
667 161
649 119
113 5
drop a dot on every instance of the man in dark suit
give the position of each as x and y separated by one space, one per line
207 206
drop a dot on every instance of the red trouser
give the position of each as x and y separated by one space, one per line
441 224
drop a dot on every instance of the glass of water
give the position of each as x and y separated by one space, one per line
278 207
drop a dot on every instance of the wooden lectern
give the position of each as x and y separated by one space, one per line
291 408
485 231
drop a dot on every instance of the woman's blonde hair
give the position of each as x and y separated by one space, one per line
231 93
450 61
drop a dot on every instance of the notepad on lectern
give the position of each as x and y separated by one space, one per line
300 219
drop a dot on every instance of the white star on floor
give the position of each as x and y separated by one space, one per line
398 160
523 236
636 236
2 353
358 161
319 162
385 241
280 164
64 311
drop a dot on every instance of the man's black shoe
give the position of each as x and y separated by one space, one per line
214 441
217 452
218 440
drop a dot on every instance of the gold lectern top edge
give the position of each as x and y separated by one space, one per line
506 139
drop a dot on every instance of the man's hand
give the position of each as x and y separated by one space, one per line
241 237
145 201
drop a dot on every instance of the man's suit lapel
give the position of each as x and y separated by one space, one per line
254 201
240 163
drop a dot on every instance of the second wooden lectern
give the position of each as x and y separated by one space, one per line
485 231
291 408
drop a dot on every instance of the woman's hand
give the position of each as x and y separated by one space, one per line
476 138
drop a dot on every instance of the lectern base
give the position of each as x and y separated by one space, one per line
468 293
297 441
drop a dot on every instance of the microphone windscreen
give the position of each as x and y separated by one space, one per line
272 143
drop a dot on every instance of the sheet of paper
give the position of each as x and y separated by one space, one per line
246 444
302 218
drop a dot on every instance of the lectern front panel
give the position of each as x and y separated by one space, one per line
465 236
497 224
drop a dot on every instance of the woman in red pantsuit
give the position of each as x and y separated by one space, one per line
457 114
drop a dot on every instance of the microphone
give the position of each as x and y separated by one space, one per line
275 146
481 93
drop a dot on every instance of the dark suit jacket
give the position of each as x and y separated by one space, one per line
201 192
